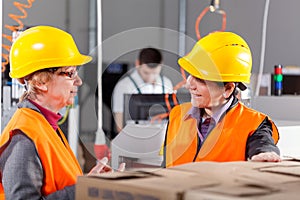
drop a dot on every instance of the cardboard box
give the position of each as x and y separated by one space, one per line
151 185
203 180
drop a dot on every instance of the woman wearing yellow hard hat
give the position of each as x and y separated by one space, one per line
36 161
215 126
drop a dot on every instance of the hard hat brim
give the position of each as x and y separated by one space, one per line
217 77
78 60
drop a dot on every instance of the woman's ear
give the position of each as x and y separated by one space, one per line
21 80
229 88
42 86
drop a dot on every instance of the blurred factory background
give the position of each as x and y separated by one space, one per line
169 25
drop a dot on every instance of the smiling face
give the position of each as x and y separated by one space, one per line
53 88
208 94
62 89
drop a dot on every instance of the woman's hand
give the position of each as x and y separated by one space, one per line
102 167
266 157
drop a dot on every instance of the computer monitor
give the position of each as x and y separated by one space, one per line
143 107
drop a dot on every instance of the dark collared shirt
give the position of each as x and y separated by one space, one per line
50 116
197 113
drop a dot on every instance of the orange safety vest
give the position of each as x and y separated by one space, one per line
226 142
60 165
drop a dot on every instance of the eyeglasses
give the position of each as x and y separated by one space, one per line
72 74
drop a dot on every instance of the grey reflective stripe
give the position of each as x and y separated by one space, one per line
162 84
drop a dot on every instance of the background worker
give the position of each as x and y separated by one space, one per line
36 161
215 126
144 79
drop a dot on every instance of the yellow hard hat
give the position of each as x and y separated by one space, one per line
221 57
43 47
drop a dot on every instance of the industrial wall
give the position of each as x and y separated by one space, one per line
243 17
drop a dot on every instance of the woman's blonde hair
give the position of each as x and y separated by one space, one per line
31 81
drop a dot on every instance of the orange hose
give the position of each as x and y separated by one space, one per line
224 19
167 101
16 18
159 117
198 20
180 84
183 74
201 15
174 99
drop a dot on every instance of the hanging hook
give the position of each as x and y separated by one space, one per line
214 7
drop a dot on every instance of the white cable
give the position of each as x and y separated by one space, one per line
99 57
263 47
100 136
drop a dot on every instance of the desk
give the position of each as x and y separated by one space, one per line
141 143
289 141
138 144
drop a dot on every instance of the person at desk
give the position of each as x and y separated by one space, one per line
215 126
36 161
144 79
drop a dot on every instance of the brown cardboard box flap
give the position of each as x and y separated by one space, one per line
159 184
124 175
287 170
239 190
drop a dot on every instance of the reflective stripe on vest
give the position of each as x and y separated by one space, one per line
226 142
60 165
